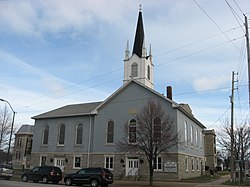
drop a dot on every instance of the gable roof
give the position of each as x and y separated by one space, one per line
181 107
69 111
92 108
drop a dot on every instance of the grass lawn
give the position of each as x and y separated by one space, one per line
202 179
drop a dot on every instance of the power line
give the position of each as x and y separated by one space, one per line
216 25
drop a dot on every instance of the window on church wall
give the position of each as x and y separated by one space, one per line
192 164
132 131
158 163
79 133
61 135
77 162
196 138
16 154
186 164
148 72
191 135
109 163
43 161
45 135
134 70
186 133
201 138
157 129
110 132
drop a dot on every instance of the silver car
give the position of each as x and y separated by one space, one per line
6 171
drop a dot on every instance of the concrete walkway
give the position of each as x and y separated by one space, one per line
213 183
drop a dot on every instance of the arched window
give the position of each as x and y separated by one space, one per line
110 132
148 72
61 134
132 131
157 129
79 133
45 135
134 70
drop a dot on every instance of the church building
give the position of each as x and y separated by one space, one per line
87 134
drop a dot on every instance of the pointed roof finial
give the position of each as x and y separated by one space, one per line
139 36
140 7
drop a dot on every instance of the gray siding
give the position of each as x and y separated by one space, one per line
70 134
121 109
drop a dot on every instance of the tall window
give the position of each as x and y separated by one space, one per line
77 162
110 132
201 140
61 134
21 142
43 161
148 73
134 70
45 135
132 131
158 163
186 164
79 133
157 129
192 164
196 138
186 133
109 162
191 135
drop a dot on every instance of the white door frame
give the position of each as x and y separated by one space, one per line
132 166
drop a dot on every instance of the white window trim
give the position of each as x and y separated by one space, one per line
74 156
109 156
157 169
76 134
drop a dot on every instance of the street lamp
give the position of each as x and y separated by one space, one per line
11 131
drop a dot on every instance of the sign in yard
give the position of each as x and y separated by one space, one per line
170 167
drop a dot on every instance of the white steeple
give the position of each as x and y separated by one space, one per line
139 66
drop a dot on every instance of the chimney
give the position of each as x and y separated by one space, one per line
169 92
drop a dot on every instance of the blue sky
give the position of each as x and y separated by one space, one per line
59 52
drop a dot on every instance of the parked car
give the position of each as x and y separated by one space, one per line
44 174
6 171
92 176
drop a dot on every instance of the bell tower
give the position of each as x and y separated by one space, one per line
139 66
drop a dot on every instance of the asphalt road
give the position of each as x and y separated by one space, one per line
117 183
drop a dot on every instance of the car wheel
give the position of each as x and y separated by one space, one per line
45 180
24 178
94 183
68 181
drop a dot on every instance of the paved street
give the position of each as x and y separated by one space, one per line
117 183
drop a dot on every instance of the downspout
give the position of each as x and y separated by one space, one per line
89 144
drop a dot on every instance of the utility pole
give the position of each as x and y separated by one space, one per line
248 56
232 130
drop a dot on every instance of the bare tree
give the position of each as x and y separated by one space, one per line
5 126
155 133
241 143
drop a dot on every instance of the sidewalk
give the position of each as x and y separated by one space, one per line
213 183
216 183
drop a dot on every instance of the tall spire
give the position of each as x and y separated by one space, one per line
127 51
139 36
